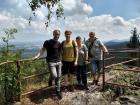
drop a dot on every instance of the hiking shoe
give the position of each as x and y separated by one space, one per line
96 82
59 95
71 88
86 87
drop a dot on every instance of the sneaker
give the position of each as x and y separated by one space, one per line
79 84
96 82
71 88
86 87
50 83
59 95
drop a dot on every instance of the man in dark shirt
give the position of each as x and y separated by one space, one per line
53 48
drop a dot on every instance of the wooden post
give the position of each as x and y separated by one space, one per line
138 58
103 70
5 80
18 81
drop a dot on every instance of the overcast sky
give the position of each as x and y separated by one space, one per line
110 19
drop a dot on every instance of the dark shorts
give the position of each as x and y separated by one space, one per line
68 68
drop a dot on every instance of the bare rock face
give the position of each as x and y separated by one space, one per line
129 100
115 103
98 98
85 98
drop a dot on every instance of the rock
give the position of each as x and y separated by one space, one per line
84 98
109 95
115 103
17 103
129 100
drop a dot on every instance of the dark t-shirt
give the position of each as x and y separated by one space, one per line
53 50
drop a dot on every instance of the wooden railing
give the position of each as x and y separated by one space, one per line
122 51
105 59
17 63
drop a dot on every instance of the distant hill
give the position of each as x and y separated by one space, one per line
32 48
116 44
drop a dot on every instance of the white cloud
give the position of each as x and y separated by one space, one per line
77 20
73 7
2 17
40 15
35 32
69 4
107 27
87 8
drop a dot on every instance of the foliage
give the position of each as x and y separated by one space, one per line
134 39
10 76
6 52
125 78
50 6
134 42
33 68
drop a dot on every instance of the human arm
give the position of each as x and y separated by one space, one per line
85 54
103 47
76 55
40 53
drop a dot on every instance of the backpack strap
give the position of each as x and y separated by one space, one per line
62 44
89 48
73 44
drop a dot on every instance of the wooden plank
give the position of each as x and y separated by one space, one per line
32 76
117 84
125 51
23 60
133 70
109 58
122 62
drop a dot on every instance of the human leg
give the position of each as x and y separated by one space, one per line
99 62
53 74
78 74
93 70
84 75
72 69
57 80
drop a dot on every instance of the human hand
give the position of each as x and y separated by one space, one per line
75 63
106 53
35 58
86 62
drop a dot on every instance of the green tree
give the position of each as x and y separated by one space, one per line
134 42
134 39
8 73
10 87
54 7
9 35
7 51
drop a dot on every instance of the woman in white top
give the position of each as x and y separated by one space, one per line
81 64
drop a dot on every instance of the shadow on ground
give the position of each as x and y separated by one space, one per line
39 96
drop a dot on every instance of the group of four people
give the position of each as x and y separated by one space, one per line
71 56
